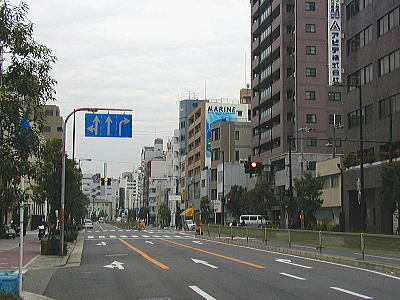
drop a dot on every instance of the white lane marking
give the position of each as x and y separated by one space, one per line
300 246
100 227
177 236
90 236
201 292
120 230
148 242
102 237
113 236
97 231
198 242
203 262
115 264
156 236
88 231
351 293
116 254
112 230
167 236
289 262
128 230
123 236
384 257
292 276
311 259
134 236
101 244
145 236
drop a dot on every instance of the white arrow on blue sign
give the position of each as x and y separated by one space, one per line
108 125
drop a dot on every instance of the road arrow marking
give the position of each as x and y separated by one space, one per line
148 242
197 261
101 244
198 242
125 121
115 265
96 122
108 121
289 262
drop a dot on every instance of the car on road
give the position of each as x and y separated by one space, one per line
87 224
189 225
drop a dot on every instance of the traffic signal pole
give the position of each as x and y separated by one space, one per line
64 136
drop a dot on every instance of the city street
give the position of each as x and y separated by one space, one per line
167 264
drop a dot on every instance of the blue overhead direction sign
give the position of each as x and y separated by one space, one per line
108 125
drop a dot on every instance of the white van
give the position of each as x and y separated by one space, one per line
252 220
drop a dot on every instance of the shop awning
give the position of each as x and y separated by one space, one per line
188 212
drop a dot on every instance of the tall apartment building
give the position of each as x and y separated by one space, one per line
198 155
291 97
372 60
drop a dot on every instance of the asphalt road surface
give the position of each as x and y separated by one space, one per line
166 264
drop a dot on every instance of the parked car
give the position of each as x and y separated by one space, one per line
189 225
87 224
252 221
118 219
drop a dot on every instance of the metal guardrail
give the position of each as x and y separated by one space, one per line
360 242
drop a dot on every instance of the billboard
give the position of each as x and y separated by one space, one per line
217 112
334 42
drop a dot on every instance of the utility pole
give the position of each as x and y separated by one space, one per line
290 184
223 190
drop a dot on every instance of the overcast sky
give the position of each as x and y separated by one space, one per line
143 55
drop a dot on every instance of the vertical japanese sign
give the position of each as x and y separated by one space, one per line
334 42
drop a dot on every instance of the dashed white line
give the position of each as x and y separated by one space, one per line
201 292
102 237
120 230
177 236
167 236
112 230
156 236
97 231
90 237
123 236
351 293
134 236
145 236
292 276
112 236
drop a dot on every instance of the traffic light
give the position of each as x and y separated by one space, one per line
108 181
229 199
256 167
246 167
102 181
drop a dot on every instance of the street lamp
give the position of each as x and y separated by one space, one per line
81 160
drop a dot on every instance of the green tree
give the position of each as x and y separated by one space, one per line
25 86
308 190
131 215
205 209
390 192
235 201
48 184
144 211
258 200
164 213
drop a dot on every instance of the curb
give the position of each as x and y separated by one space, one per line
75 257
373 266
32 296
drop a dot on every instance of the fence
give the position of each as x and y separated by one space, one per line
361 242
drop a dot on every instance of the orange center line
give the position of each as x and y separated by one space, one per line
154 261
216 254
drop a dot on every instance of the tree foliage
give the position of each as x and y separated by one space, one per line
237 203
308 190
48 183
390 193
25 86
205 209
164 213
144 211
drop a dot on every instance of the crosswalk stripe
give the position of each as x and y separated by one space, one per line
123 236
102 237
145 236
134 236
156 236
166 236
112 236
90 236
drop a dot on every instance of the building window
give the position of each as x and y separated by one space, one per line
290 29
389 63
290 51
290 94
310 95
311 142
353 118
59 129
203 183
290 72
237 155
311 50
337 118
240 113
310 28
334 96
355 6
384 106
310 6
216 134
236 135
219 178
389 21
290 8
46 129
311 72
362 76
311 118
359 40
